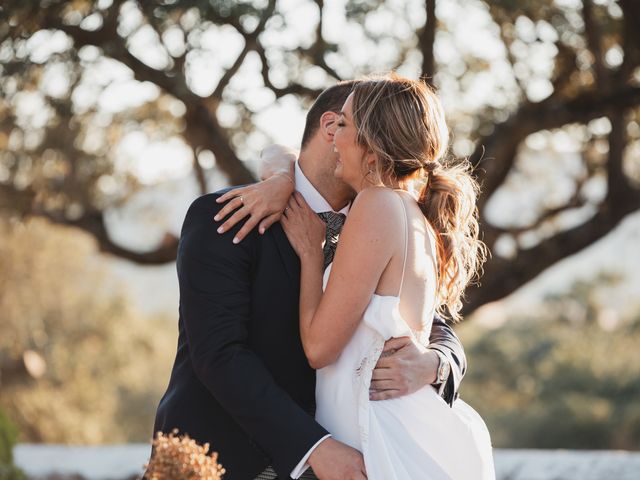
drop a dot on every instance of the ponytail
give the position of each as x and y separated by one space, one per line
448 201
402 123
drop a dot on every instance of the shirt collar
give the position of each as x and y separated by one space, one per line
316 201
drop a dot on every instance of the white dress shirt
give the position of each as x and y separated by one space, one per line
316 201
318 204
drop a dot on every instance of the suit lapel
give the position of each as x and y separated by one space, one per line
287 253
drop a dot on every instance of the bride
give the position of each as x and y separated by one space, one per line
408 248
403 254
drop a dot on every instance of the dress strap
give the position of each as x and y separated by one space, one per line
406 241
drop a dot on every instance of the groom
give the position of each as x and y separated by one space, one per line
240 380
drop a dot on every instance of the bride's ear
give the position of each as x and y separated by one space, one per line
370 160
328 123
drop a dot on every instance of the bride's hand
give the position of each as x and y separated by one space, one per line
262 202
305 230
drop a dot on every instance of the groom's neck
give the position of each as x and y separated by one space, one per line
318 165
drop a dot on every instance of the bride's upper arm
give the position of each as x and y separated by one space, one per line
367 243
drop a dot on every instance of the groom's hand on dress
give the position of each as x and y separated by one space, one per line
403 368
332 460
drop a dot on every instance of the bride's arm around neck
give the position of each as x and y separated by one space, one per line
368 242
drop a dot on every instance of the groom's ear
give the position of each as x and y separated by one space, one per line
328 122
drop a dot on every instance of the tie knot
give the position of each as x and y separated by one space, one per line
334 221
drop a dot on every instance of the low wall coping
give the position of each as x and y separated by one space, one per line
117 462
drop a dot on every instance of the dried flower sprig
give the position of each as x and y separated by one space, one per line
181 458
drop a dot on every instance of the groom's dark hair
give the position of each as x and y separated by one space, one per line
330 100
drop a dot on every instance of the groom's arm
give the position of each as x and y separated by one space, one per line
444 340
215 290
405 367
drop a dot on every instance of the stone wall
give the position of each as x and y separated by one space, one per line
120 462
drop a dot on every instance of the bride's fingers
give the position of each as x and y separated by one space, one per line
302 202
299 199
267 222
292 207
249 225
284 222
238 215
236 192
232 205
286 217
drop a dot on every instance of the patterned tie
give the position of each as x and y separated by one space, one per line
334 222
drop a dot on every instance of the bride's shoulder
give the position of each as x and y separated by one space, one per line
374 196
375 204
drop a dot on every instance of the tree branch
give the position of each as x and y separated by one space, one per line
576 201
199 172
114 46
204 131
592 35
292 88
504 22
504 276
564 67
630 38
94 224
320 47
25 202
497 151
619 189
250 43
426 40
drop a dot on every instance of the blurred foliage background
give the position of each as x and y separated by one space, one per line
566 375
79 364
102 101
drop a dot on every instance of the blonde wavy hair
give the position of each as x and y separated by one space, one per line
402 122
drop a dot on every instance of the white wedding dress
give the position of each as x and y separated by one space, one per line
415 437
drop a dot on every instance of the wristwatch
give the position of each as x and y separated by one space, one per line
444 368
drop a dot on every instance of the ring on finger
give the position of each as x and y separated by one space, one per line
241 199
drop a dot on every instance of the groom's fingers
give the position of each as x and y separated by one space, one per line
381 374
383 394
386 384
396 343
385 362
249 225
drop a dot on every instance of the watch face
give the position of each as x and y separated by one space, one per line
443 370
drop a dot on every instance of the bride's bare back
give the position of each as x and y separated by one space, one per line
415 238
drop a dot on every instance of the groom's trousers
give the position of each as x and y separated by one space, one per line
270 474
